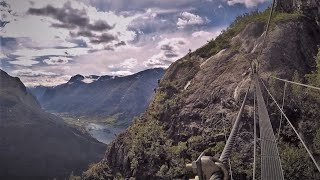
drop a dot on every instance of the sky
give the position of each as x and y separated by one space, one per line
45 42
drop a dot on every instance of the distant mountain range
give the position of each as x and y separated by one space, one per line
35 144
108 99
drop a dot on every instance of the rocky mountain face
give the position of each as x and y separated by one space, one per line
35 144
307 7
199 97
107 98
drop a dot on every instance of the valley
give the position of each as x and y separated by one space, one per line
102 106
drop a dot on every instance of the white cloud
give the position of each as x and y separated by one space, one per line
173 42
44 80
24 61
126 65
2 55
129 63
201 34
247 3
57 60
121 73
51 52
27 57
32 73
26 27
170 51
189 19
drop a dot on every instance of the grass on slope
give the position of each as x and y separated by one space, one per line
223 40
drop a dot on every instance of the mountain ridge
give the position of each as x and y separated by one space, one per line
35 144
118 99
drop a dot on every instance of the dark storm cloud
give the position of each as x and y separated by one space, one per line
66 26
166 47
84 33
66 15
94 38
104 38
170 54
77 20
79 42
4 4
121 43
70 18
169 47
3 23
99 26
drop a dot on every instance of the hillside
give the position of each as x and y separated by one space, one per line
105 99
35 144
200 95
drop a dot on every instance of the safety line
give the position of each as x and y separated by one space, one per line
255 135
281 117
225 155
225 137
294 129
268 27
292 82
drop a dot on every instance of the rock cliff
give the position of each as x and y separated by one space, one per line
35 144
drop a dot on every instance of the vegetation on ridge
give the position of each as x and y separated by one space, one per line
223 40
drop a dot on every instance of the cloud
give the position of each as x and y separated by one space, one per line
100 25
24 61
4 4
5 10
155 20
121 43
247 3
32 73
189 19
121 73
129 63
34 53
57 60
3 23
169 52
70 18
126 64
8 45
2 56
44 80
122 5
201 34
66 22
104 38
30 57
75 19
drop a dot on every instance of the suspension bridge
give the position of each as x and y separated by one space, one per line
213 168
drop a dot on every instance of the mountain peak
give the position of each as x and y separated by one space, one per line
76 78
34 138
13 82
